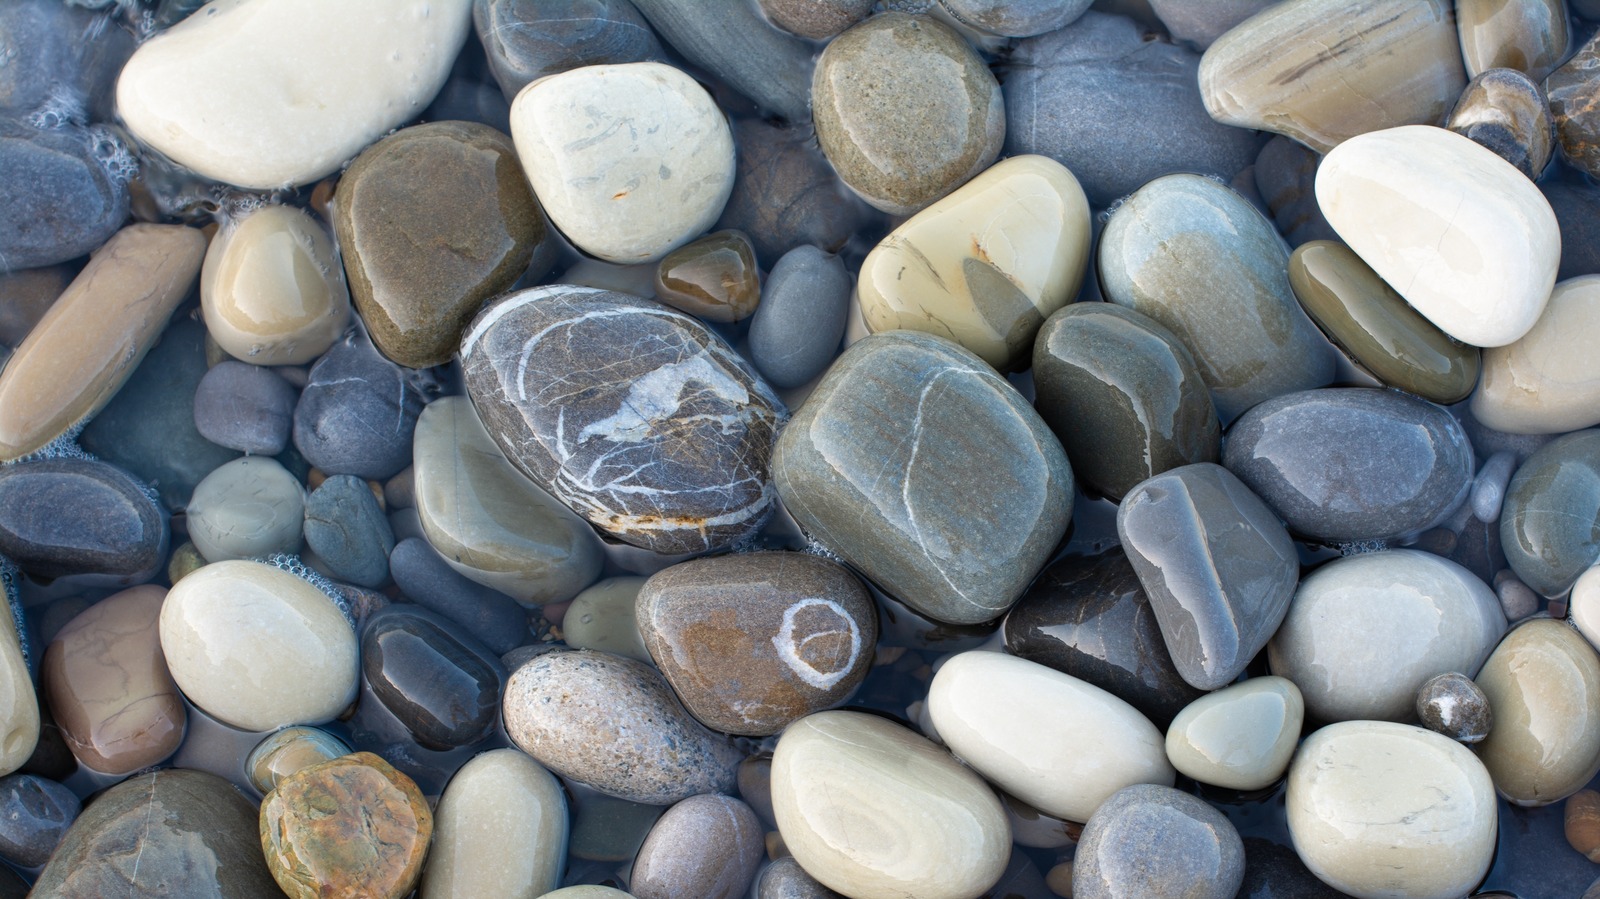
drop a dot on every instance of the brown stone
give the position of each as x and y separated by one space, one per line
1574 92
289 750
713 278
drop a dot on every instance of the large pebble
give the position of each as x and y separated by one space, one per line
1550 520
797 329
874 811
220 93
1543 685
244 407
64 59
705 847
346 528
519 855
60 198
1546 382
357 414
35 813
785 193
526 40
1530 36
1506 112
1240 737
741 50
250 507
69 516
438 681
1150 840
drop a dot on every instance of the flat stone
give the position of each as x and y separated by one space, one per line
706 846
64 194
66 60
526 40
1218 567
1240 737
1201 261
108 686
521 856
1014 18
289 750
1451 704
1399 64
589 393
217 94
741 50
1531 37
1509 114
605 617
714 278
35 813
785 879
347 529
1014 721
438 681
422 574
853 793
785 194
248 508
1545 383
1285 177
1545 522
66 516
797 329
1201 24
905 110
357 414
1150 840
1543 685
921 467
1380 808
245 408
613 724
817 20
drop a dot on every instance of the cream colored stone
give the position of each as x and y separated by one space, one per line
1378 809
630 161
603 617
1057 743
1459 232
489 521
1583 605
986 265
1543 684
1240 737
500 830
247 508
19 704
873 811
1548 381
1530 36
273 289
85 348
275 93
258 648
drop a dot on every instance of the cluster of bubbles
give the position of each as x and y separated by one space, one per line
292 564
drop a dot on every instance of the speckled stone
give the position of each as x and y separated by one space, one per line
740 50
35 813
1550 520
248 508
905 110
797 329
815 19
1545 382
785 193
60 198
244 407
1240 737
588 392
713 278
1452 705
288 751
925 470
526 40
1530 36
438 681
1150 840
357 413
350 828
66 516
1543 685
705 847
614 724
785 879
1504 111
517 856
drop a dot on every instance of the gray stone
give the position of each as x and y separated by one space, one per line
432 676
249 508
1014 18
815 19
347 529
26 295
1274 871
705 847
1150 840
67 516
244 407
62 61
494 618
785 194
1451 704
60 197
1577 208
526 40
733 43
1550 521
785 879
1217 565
357 413
1116 109
34 814
1286 175
1202 23
797 328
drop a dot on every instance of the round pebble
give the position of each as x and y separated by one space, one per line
797 329
521 855
248 508
244 407
288 751
1451 704
34 815
1150 840
441 684
1240 737
346 528
706 846
1543 686
357 413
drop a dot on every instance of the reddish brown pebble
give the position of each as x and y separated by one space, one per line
1583 823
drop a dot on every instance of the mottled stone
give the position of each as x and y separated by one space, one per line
347 828
427 578
1150 840
438 681
244 407
1546 382
1240 737
1571 90
248 508
63 194
1217 565
67 516
526 40
1550 521
357 413
905 110
1451 704
785 193
797 329
1285 177
288 751
1201 24
346 528
713 278
739 49
1543 685
1509 114
920 465
521 854
705 847
815 19
614 724
1529 36
34 814
64 60
636 416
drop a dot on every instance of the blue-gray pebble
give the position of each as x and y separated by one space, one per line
59 198
244 407
34 813
347 529
1550 521
801 320
357 413
61 60
489 615
1149 840
526 40
73 516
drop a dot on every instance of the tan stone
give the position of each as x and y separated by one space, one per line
500 830
714 278
1240 737
19 704
1530 36
1548 382
1543 684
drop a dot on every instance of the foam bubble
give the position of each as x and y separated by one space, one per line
292 564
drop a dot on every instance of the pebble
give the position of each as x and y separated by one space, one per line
630 161
35 813
713 278
1377 808
1451 704
500 830
248 508
604 617
433 220
1481 281
27 294
587 891
64 516
346 528
611 426
66 57
221 94
905 111
1545 522
817 20
20 729
526 40
1509 114
357 413
1576 205
874 811
1285 177
287 751
1571 91
613 724
987 264
438 681
353 826
491 617
785 879
1201 261
1218 567
1240 737
245 408
1016 18
797 329
1543 685
1115 108
1545 383
108 687
918 464
705 847
785 194
1581 823
1150 840
64 194
258 648
1015 722
1528 36
741 50
1201 24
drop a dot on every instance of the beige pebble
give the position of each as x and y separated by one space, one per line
603 617
19 704
1548 381
1530 36
1240 737
500 830
248 508
1543 684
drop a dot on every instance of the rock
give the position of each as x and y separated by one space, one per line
613 724
1545 523
1285 177
986 265
1218 567
1451 704
1150 840
796 330
526 40
587 891
1240 737
589 393
217 94
67 59
604 617
248 508
1544 383
785 194
1386 193
108 686
1014 18
522 855
258 648
89 343
1124 396
438 681
785 879
493 618
740 50
65 516
817 20
1365 632
1375 326
1505 112
839 773
357 414
27 294
1013 721
1274 871
1399 63
245 408
353 826
905 111
1116 109
423 252
1584 605
714 278
288 751
34 814
192 834
1234 309
921 467
1572 107
630 161
1530 37
1575 204
346 528
1380 808
1202 24
706 847
1543 685
65 193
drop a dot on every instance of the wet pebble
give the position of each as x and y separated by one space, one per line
248 508
785 879
35 813
1506 112
1240 737
605 617
713 278
1543 685
1451 704
493 618
346 528
438 681
60 197
1150 840
740 49
289 750
1545 520
357 413
1545 383
244 407
65 59
526 40
1530 37
70 516
815 19
785 193
797 329
521 856
705 847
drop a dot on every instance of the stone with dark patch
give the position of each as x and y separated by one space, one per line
1508 113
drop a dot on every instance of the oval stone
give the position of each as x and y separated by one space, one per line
1550 519
1240 737
247 508
287 751
636 416
1156 841
797 329
1530 36
63 198
1543 685
1057 743
35 813
358 412
1546 382
438 681
1508 113
526 40
1453 705
875 811
519 855
706 846
714 278
69 516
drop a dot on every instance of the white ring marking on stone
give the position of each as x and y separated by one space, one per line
790 653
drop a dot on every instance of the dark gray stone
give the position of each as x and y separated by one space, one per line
1506 112
1015 18
1150 840
26 295
1345 465
1285 175
347 529
737 46
59 198
526 40
1451 704
34 814
1274 871
438 681
804 308
1550 521
68 516
492 617
61 61
1202 23
785 879
1217 565
357 413
1576 204
785 194
244 407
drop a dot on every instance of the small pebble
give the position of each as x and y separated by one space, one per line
493 618
244 407
1150 840
1581 822
289 750
357 414
797 329
706 847
346 528
248 508
34 814
1451 704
